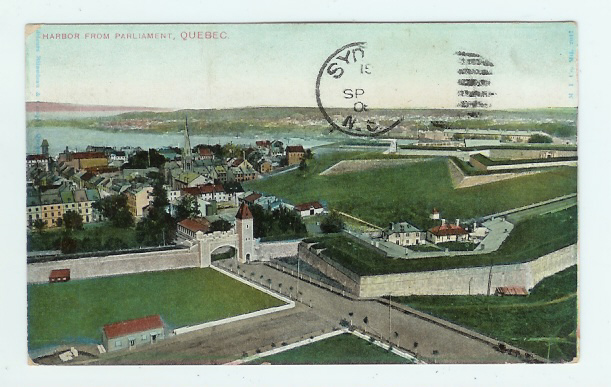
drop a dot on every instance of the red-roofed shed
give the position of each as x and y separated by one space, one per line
59 275
131 333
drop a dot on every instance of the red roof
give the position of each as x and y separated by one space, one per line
237 162
59 273
294 149
195 225
205 152
243 212
265 143
307 206
252 197
36 157
203 189
435 211
88 155
191 190
124 328
210 188
448 229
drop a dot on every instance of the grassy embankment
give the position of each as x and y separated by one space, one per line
530 239
410 192
545 320
341 349
93 237
77 310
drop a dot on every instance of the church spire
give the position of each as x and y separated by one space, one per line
187 157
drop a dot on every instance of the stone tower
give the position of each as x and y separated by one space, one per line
187 157
244 229
44 147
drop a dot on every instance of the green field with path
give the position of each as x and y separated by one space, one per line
409 192
341 349
76 311
545 320
530 239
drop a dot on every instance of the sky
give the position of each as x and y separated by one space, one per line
412 65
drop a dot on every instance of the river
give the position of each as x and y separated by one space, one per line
77 139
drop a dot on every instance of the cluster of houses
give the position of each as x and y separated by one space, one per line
74 180
406 234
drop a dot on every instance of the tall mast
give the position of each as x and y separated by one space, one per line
187 157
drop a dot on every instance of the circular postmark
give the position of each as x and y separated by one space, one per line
350 107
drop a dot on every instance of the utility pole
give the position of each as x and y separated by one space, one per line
389 317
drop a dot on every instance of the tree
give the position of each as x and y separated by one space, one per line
187 208
539 139
303 165
220 225
115 209
39 225
72 220
332 223
67 244
308 154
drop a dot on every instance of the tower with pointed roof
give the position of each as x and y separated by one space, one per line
244 229
44 147
187 157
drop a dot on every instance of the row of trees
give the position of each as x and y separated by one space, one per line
279 222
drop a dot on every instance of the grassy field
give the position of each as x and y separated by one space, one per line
95 236
547 315
341 349
530 239
77 310
410 192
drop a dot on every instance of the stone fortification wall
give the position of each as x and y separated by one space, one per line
465 281
519 154
116 264
551 163
460 180
329 268
469 280
266 251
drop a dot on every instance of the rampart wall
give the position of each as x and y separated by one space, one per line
266 251
116 264
464 281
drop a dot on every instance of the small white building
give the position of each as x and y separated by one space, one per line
308 209
133 333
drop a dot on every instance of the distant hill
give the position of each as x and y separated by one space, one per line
32 107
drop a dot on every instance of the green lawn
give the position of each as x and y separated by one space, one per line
93 236
547 315
530 239
341 349
77 310
409 192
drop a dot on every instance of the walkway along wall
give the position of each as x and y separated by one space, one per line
465 281
328 267
266 251
117 264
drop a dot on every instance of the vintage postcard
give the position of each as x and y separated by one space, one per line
301 193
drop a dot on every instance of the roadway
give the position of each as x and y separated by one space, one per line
319 311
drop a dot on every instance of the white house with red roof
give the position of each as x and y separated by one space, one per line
447 232
310 208
133 333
